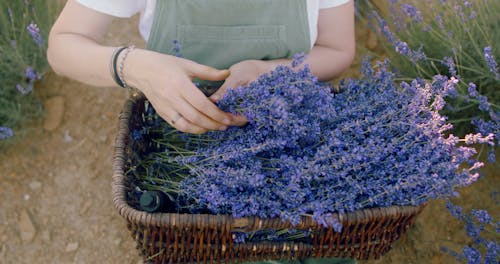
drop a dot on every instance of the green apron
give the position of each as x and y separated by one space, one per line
220 33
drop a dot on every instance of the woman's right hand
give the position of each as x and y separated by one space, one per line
167 83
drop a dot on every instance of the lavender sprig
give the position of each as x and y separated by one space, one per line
6 132
34 32
490 60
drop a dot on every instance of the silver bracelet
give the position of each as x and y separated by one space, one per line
111 63
122 66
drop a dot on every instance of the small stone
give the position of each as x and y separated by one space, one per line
54 111
117 241
26 197
371 41
67 136
26 228
71 247
34 185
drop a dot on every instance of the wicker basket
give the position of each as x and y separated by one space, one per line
203 238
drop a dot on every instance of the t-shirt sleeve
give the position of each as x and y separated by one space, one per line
331 3
117 8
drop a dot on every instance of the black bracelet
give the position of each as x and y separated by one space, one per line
115 71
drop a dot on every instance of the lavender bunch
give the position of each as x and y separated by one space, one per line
450 38
309 151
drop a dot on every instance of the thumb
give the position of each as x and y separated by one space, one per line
219 93
206 72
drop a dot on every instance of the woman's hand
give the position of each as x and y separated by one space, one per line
167 83
242 73
75 51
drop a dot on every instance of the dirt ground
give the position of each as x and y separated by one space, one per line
56 185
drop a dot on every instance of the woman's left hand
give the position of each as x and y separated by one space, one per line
242 73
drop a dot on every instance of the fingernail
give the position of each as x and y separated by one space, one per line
215 97
226 121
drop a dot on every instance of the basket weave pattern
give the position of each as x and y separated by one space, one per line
204 238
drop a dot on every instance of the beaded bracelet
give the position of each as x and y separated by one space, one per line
112 65
120 74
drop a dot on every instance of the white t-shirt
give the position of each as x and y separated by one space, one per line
128 8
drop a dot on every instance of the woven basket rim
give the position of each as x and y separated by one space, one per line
205 220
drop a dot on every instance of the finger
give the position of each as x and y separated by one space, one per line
176 120
205 72
201 103
230 83
182 124
196 117
219 93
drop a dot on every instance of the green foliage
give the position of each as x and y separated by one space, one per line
459 30
18 52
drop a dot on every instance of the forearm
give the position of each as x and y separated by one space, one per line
80 58
334 48
325 63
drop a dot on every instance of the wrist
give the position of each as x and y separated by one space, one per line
134 72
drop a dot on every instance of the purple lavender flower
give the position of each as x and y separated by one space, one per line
472 255
439 21
403 48
298 59
450 63
491 156
472 90
484 105
455 210
492 126
490 61
385 30
6 132
460 12
176 50
24 90
492 253
473 15
479 138
472 230
31 74
482 216
34 32
412 12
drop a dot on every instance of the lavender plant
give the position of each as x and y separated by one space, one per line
24 26
484 232
451 38
309 151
